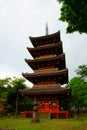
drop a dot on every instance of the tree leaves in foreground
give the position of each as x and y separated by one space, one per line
15 85
82 71
79 92
9 89
11 86
4 84
9 92
74 12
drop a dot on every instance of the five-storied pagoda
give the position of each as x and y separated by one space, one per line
49 74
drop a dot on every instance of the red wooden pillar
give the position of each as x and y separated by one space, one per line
67 115
57 115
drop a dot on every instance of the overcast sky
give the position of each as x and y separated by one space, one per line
20 19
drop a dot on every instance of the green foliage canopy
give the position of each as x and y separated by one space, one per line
15 85
74 12
4 84
79 91
82 71
9 88
9 91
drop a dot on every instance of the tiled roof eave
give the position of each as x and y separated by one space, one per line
44 47
45 91
46 59
64 71
46 36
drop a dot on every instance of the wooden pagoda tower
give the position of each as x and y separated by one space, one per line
49 74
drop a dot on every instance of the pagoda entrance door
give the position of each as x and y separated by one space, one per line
46 105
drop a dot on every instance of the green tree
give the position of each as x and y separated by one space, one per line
9 91
4 84
79 92
74 12
82 71
16 84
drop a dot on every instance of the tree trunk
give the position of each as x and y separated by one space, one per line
17 104
78 109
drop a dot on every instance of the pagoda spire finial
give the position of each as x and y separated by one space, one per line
47 31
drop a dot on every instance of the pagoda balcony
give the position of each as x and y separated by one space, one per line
46 56
46 69
50 85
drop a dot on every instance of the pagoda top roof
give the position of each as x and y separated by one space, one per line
43 91
47 39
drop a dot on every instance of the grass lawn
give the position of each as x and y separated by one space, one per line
20 123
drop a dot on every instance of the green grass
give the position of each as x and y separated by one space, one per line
20 123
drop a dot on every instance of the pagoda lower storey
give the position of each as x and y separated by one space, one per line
50 109
49 102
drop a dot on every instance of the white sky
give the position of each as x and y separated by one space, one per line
20 19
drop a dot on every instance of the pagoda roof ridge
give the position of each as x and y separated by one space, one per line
40 91
46 46
46 73
44 89
42 59
44 36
